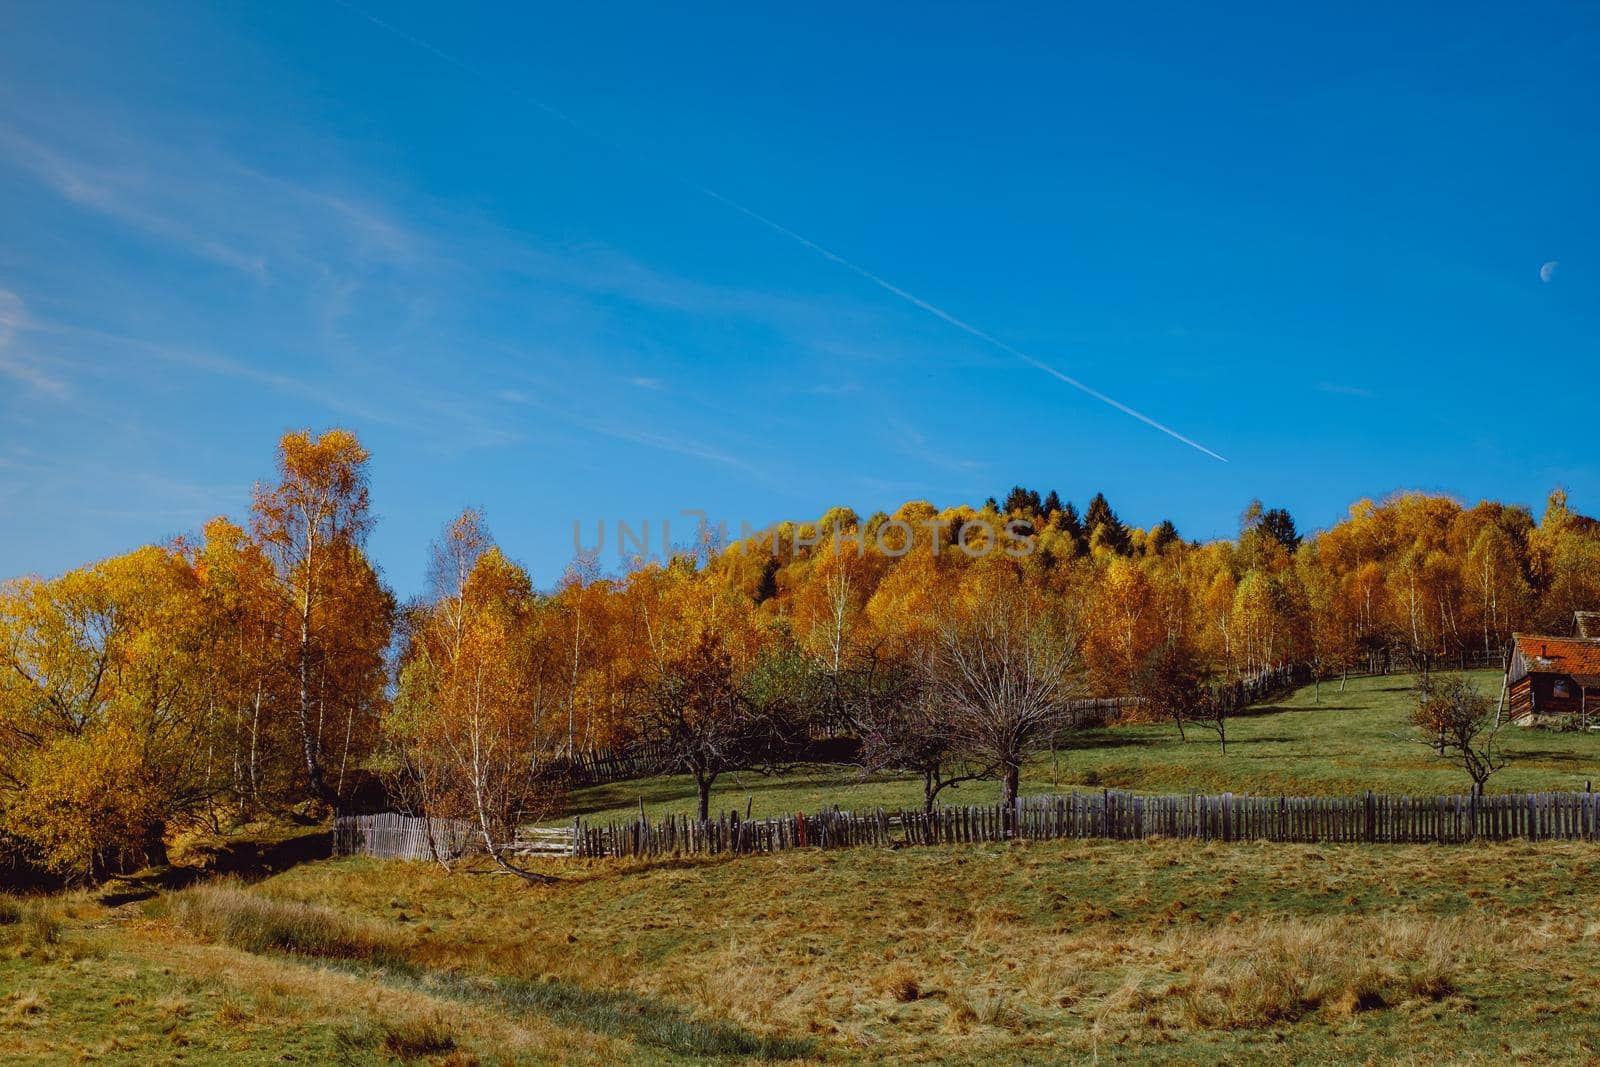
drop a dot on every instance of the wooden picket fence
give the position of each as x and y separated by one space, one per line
1371 818
390 835
605 765
1096 711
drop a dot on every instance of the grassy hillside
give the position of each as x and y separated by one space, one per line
1344 742
1154 951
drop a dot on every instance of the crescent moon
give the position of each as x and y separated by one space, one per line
1548 270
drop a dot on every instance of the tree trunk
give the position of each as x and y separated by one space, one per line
702 783
497 854
240 790
318 786
155 845
255 748
344 757
1011 784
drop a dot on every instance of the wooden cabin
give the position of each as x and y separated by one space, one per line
1550 679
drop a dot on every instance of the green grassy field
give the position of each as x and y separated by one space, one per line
1159 951
1346 742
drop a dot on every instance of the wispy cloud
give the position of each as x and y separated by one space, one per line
367 301
355 280
1344 390
184 504
130 196
13 363
832 325
336 280
326 395
682 445
138 492
828 388
910 441
202 201
674 442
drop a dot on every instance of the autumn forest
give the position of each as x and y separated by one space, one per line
263 665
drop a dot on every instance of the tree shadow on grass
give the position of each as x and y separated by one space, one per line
618 1013
1244 743
649 1022
1563 756
1258 710
1091 742
680 791
246 858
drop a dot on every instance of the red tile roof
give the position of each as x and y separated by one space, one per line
1559 655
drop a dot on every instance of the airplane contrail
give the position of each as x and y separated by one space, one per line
805 242
965 327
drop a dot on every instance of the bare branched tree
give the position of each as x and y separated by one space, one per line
902 728
1460 724
1211 713
1001 672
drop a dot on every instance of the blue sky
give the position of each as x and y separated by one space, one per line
1310 242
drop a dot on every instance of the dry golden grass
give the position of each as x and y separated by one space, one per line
1145 951
1078 948
1282 971
260 924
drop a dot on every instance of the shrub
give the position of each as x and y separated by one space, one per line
416 1038
43 927
900 982
409 1039
959 1017
231 1013
32 924
29 1003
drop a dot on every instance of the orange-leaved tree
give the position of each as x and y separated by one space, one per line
313 525
105 733
463 720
